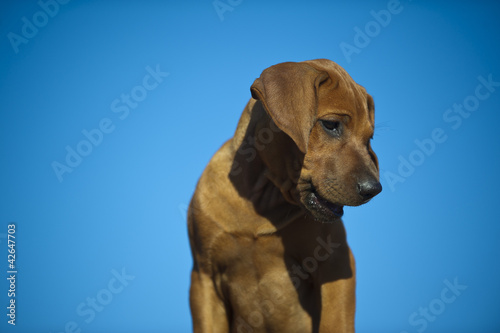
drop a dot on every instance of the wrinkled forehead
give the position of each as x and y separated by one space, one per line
341 94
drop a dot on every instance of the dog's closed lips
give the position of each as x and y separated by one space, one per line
315 200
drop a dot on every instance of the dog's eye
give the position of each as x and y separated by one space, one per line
333 128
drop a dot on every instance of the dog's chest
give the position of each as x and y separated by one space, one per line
258 285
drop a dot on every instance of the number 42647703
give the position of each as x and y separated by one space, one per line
12 245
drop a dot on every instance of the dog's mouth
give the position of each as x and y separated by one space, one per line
317 204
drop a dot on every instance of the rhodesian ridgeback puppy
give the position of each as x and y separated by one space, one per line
269 246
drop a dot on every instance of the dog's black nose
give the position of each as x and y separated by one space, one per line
367 189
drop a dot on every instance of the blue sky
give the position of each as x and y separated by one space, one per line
146 92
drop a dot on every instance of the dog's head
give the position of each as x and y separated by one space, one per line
330 118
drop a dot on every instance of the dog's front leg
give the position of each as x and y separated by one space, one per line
208 310
339 300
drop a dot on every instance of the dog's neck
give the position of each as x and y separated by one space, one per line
266 166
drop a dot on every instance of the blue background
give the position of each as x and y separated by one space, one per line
122 209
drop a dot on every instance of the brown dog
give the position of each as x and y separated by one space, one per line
269 246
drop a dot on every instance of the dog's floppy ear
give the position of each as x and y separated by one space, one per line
288 92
